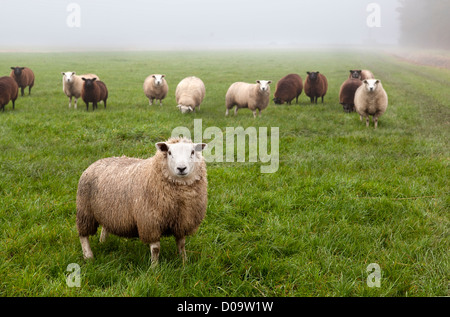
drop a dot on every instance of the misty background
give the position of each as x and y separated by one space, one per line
208 24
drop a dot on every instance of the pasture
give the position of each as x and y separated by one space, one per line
344 196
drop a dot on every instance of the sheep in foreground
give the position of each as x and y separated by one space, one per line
316 86
189 94
24 77
288 88
347 93
163 195
361 74
8 91
155 87
72 85
94 91
371 100
251 96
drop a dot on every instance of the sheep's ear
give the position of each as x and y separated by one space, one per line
258 82
94 79
84 79
62 73
153 76
162 146
365 81
377 81
200 146
318 72
73 73
269 81
162 76
308 73
22 68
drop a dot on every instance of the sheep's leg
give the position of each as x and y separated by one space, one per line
70 102
254 113
322 99
104 235
360 118
154 248
181 243
375 121
94 105
226 113
367 121
22 89
235 110
87 106
87 252
76 103
259 112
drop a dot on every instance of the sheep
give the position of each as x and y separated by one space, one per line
316 85
94 91
361 74
288 88
9 90
347 93
189 94
371 100
155 87
24 77
251 96
72 85
164 195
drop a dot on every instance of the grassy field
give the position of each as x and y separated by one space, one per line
344 196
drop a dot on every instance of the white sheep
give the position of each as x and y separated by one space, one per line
72 85
189 94
371 100
163 195
251 96
155 87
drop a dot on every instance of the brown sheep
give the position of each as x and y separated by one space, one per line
93 91
288 88
316 85
9 90
164 195
361 74
347 93
24 77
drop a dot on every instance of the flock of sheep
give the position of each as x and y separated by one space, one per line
166 195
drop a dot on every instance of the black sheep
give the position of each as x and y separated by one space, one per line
288 88
94 91
9 90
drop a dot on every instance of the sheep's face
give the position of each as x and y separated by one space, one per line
182 157
371 84
68 76
18 71
355 74
88 82
277 101
185 109
158 79
313 75
264 85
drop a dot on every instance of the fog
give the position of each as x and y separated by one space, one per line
191 24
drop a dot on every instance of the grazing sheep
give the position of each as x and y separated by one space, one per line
155 87
163 195
288 88
371 100
72 85
251 96
361 74
316 85
189 94
94 91
24 77
347 93
9 90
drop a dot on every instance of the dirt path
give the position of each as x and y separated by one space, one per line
439 59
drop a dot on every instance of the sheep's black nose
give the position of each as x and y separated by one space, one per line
181 169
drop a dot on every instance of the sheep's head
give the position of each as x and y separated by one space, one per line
355 74
17 71
68 76
277 101
264 85
182 157
185 109
158 79
371 84
88 82
313 75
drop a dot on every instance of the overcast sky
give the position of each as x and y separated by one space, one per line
180 24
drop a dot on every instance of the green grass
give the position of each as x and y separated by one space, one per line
344 196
